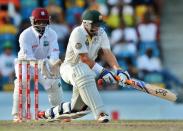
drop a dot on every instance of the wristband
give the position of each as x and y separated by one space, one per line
97 69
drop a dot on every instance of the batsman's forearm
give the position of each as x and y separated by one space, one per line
109 57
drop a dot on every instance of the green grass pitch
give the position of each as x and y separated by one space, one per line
123 125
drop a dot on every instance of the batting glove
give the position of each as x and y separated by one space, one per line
107 77
123 75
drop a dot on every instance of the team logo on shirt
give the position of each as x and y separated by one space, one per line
45 43
78 45
8 64
96 39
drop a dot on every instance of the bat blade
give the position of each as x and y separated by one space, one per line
152 90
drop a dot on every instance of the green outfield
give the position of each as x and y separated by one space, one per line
93 126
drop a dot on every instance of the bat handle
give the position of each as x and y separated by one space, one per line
128 82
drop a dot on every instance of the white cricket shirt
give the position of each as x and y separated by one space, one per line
80 42
33 47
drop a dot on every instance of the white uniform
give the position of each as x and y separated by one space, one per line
34 47
78 74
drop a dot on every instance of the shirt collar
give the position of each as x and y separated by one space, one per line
37 34
86 33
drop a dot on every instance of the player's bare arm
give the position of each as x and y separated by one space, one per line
109 57
85 59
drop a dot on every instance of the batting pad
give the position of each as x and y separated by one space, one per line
84 79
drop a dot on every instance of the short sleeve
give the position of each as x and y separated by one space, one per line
105 40
77 41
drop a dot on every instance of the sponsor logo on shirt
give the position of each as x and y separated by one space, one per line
34 46
87 42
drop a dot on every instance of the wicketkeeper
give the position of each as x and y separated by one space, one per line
38 42
80 69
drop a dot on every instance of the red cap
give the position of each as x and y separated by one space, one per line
40 14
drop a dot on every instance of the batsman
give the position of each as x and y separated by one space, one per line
80 70
38 42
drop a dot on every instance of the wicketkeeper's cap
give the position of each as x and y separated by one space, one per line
40 14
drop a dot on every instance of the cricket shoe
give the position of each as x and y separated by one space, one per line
47 116
103 118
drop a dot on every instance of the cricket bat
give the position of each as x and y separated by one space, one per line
149 89
152 90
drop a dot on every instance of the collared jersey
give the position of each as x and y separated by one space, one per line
80 42
34 47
